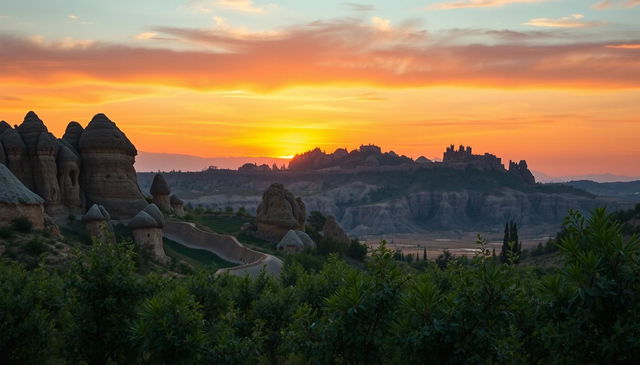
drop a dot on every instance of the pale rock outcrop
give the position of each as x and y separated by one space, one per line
17 200
332 230
97 224
177 205
290 243
155 212
279 212
147 231
306 240
108 177
160 192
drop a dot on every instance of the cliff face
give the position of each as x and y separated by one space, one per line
93 165
412 200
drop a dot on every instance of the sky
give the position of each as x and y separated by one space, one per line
555 82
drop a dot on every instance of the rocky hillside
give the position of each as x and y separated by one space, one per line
398 199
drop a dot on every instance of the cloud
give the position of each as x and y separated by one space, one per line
76 18
461 4
340 52
610 4
244 6
360 7
146 35
624 46
381 24
572 21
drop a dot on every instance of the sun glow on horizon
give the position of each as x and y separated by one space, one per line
262 84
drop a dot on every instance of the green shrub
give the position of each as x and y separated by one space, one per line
22 224
357 250
35 247
7 232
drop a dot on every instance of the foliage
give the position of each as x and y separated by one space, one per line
30 303
511 245
320 310
21 224
104 293
316 220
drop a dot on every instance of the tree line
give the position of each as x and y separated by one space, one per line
101 309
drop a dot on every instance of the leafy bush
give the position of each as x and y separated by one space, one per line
323 311
34 247
357 250
22 224
7 232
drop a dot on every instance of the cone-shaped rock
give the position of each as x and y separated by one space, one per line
160 191
17 200
4 126
94 214
306 240
143 220
72 134
16 156
291 242
159 186
108 177
155 212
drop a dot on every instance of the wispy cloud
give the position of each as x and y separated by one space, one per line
76 18
360 7
572 21
345 52
146 35
609 4
244 6
460 4
624 46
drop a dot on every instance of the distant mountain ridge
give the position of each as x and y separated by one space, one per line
599 178
152 161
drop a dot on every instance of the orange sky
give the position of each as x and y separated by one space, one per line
568 108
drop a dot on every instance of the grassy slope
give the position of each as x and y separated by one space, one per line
194 257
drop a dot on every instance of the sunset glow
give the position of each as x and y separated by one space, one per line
558 84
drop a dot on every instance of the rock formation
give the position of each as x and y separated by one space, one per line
147 231
333 231
177 206
69 179
279 212
369 156
160 192
16 200
290 243
306 240
521 171
97 224
108 177
86 166
155 212
423 160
